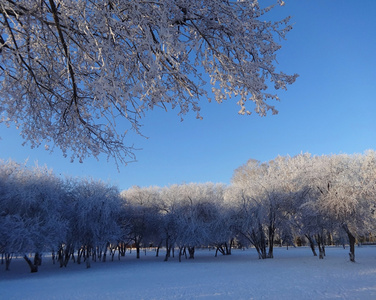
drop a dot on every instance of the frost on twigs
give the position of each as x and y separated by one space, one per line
72 70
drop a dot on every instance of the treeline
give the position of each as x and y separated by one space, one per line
317 200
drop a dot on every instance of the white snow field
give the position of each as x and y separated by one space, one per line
292 274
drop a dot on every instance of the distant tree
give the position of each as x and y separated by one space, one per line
70 69
142 214
264 202
199 217
343 199
334 197
305 219
191 217
170 227
93 218
31 218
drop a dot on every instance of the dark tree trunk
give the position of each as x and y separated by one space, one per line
138 250
60 256
53 257
68 253
88 264
122 248
191 251
271 239
321 246
181 251
220 249
351 242
105 252
98 253
311 244
258 240
157 250
112 252
167 250
228 249
37 259
33 268
271 247
8 259
79 255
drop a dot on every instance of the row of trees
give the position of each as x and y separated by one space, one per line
317 199
40 212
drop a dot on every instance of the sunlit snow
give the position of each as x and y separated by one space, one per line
292 274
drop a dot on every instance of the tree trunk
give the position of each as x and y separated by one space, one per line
88 265
138 250
220 249
121 249
191 251
79 256
351 242
311 244
105 252
181 250
321 246
68 252
112 252
271 247
167 250
8 259
258 240
60 256
53 257
228 249
157 250
37 259
271 239
33 268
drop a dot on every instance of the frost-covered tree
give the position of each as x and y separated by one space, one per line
198 215
31 212
169 208
334 197
305 220
142 215
70 70
182 223
191 217
343 199
264 202
368 174
93 218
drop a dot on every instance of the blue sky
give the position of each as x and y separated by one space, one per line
330 109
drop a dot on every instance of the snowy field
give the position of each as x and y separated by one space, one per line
292 274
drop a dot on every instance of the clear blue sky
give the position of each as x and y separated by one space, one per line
330 109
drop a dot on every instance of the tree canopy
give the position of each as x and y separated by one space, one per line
72 70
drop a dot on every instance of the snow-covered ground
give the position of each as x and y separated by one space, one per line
292 274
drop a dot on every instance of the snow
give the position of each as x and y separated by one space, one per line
292 274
